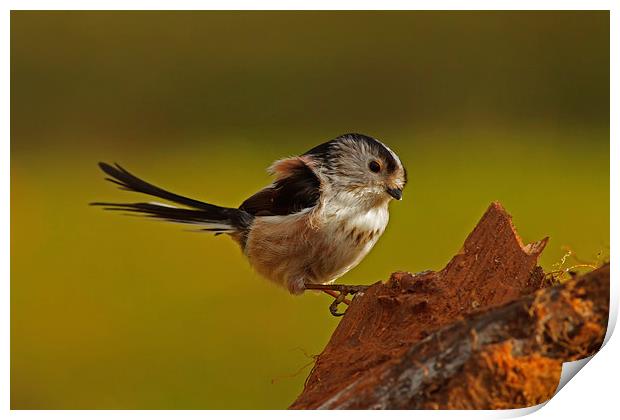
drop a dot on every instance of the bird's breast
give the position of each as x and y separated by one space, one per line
357 227
313 246
351 235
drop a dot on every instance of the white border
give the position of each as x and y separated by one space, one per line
594 393
312 5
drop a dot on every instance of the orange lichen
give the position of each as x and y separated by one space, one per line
495 379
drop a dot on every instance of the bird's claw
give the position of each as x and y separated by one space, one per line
333 308
343 291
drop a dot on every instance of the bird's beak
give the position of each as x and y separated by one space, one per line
397 193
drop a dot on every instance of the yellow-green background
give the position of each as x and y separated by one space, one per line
119 312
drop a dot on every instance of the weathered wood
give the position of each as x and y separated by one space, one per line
476 334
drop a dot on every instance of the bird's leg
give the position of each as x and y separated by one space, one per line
339 291
347 289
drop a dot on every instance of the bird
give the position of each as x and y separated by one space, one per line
322 214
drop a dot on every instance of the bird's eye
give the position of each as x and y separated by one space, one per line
374 166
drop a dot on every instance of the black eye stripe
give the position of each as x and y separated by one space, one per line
374 166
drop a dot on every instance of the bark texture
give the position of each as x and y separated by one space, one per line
488 331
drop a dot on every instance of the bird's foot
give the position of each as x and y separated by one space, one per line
339 292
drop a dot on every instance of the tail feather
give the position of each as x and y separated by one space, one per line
210 217
130 182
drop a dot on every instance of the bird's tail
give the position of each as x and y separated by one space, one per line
207 216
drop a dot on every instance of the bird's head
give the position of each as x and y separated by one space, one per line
360 167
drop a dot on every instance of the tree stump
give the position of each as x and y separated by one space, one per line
488 331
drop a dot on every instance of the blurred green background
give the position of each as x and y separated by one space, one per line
124 313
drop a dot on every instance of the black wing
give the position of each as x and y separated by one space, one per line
299 189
